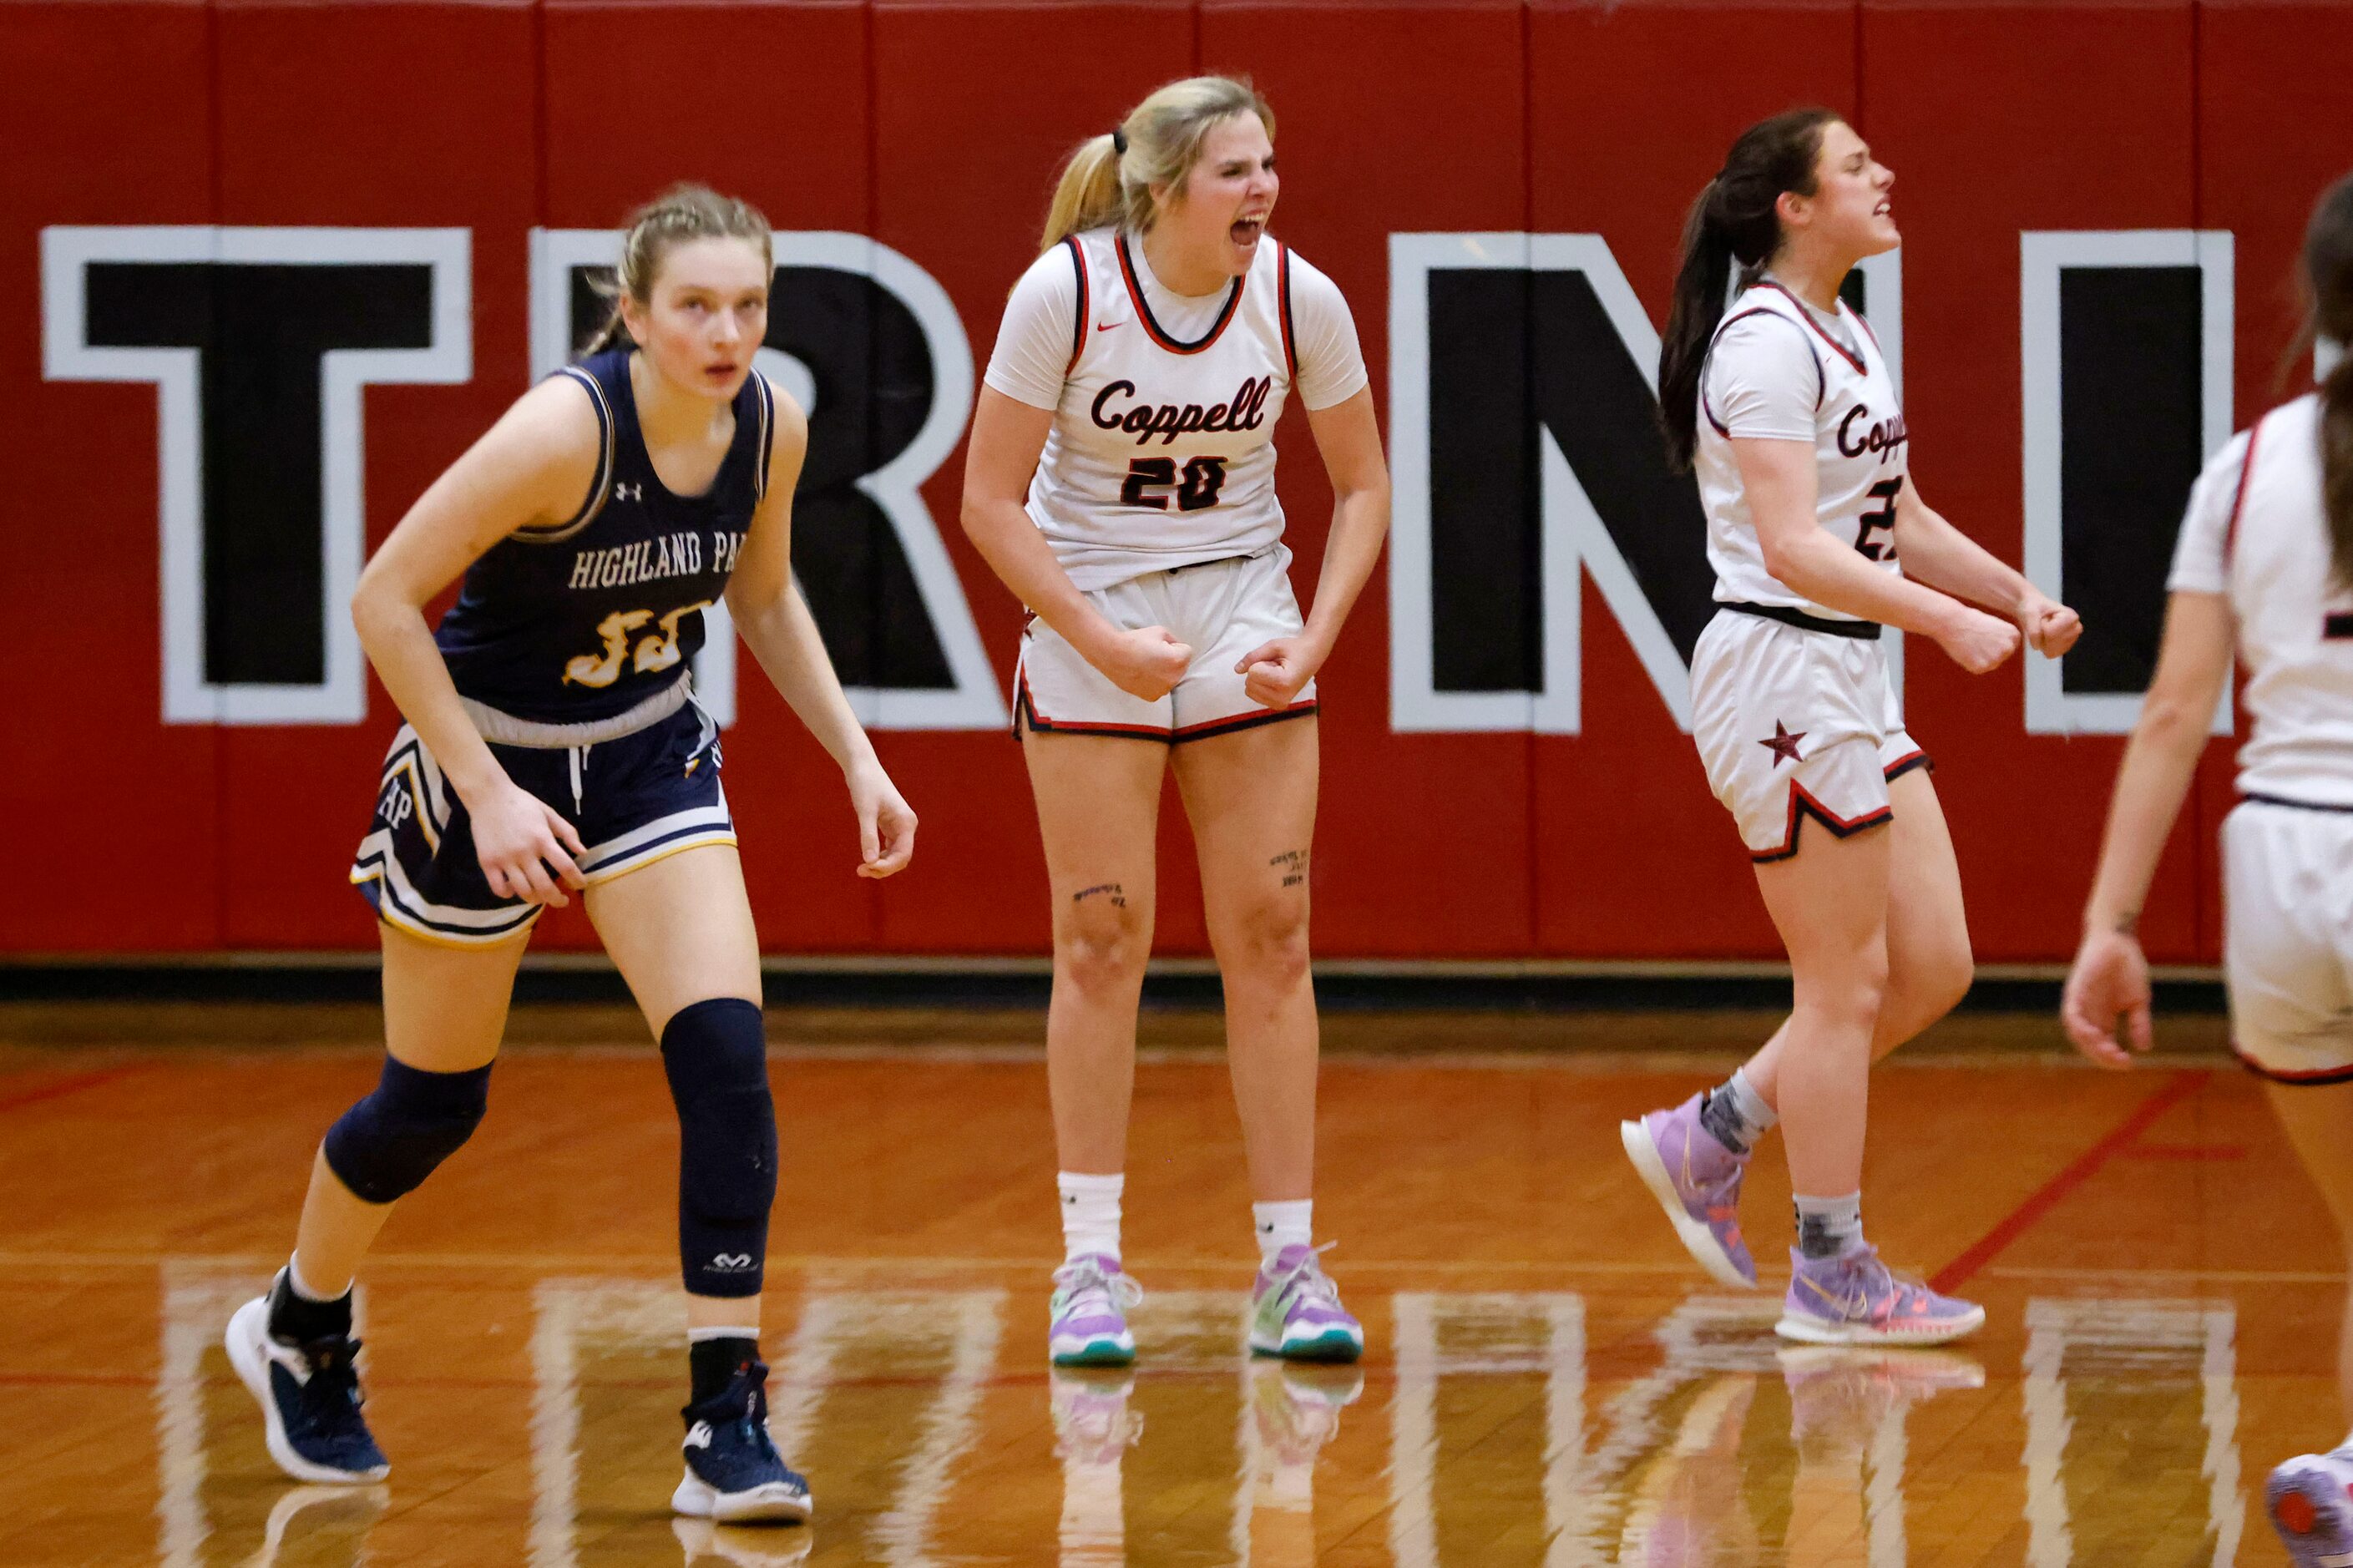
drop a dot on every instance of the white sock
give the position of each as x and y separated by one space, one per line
1288 1224
1090 1214
697 1336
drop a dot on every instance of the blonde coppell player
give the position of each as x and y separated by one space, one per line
1121 481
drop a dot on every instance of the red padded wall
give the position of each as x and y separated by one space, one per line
935 129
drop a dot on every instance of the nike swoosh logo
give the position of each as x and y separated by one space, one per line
1106 326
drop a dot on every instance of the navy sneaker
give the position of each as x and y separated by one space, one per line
734 1474
310 1399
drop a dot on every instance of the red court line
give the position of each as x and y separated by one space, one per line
56 1088
2045 1198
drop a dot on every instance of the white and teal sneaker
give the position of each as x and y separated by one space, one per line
1295 1311
1091 1295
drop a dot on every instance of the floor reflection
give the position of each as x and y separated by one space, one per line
1548 1428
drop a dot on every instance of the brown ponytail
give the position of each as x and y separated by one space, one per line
2328 275
1734 219
680 214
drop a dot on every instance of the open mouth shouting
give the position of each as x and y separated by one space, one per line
1246 229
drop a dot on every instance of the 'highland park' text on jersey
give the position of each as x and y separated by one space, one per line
1161 451
586 619
1861 445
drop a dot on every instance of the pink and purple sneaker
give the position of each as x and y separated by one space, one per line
1295 1311
1091 1296
1697 1182
2310 1500
1856 1299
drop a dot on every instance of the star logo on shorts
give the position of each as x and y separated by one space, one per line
1783 745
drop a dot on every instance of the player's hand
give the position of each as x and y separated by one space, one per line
1274 673
2049 627
1145 663
1977 641
525 849
886 825
2107 985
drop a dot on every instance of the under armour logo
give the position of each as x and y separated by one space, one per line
732 1260
629 492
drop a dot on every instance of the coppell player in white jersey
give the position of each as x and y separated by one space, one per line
1121 481
2266 560
1818 538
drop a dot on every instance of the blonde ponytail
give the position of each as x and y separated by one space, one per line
1087 196
1108 181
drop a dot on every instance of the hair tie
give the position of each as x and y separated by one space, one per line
1119 142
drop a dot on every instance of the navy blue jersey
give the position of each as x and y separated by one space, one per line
586 618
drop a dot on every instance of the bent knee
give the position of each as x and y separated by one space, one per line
1930 984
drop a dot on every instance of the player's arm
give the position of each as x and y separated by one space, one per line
1779 479
532 468
2110 977
1349 438
775 623
1007 437
1936 552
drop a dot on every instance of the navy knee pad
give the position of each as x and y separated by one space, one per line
384 1147
716 1053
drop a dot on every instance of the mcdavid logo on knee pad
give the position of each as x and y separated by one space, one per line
731 1263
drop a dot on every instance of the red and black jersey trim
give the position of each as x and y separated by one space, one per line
1304 709
1144 311
1283 288
1910 761
2238 495
1086 305
2315 1078
1822 376
1026 716
1803 805
1807 317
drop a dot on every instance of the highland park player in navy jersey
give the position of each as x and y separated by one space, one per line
553 741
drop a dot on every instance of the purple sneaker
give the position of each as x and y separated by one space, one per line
1697 1181
2310 1500
1295 1311
1089 1312
1856 1299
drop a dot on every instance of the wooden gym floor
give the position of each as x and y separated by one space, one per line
1549 1381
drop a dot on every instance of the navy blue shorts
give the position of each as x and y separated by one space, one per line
633 800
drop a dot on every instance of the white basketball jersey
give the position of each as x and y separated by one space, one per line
1161 451
2295 622
1860 456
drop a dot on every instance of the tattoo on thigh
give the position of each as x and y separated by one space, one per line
1112 891
1292 864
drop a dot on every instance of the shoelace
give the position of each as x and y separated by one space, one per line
1085 1279
331 1394
1309 1282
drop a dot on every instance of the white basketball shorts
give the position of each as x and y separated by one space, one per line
1795 722
2287 945
1224 609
